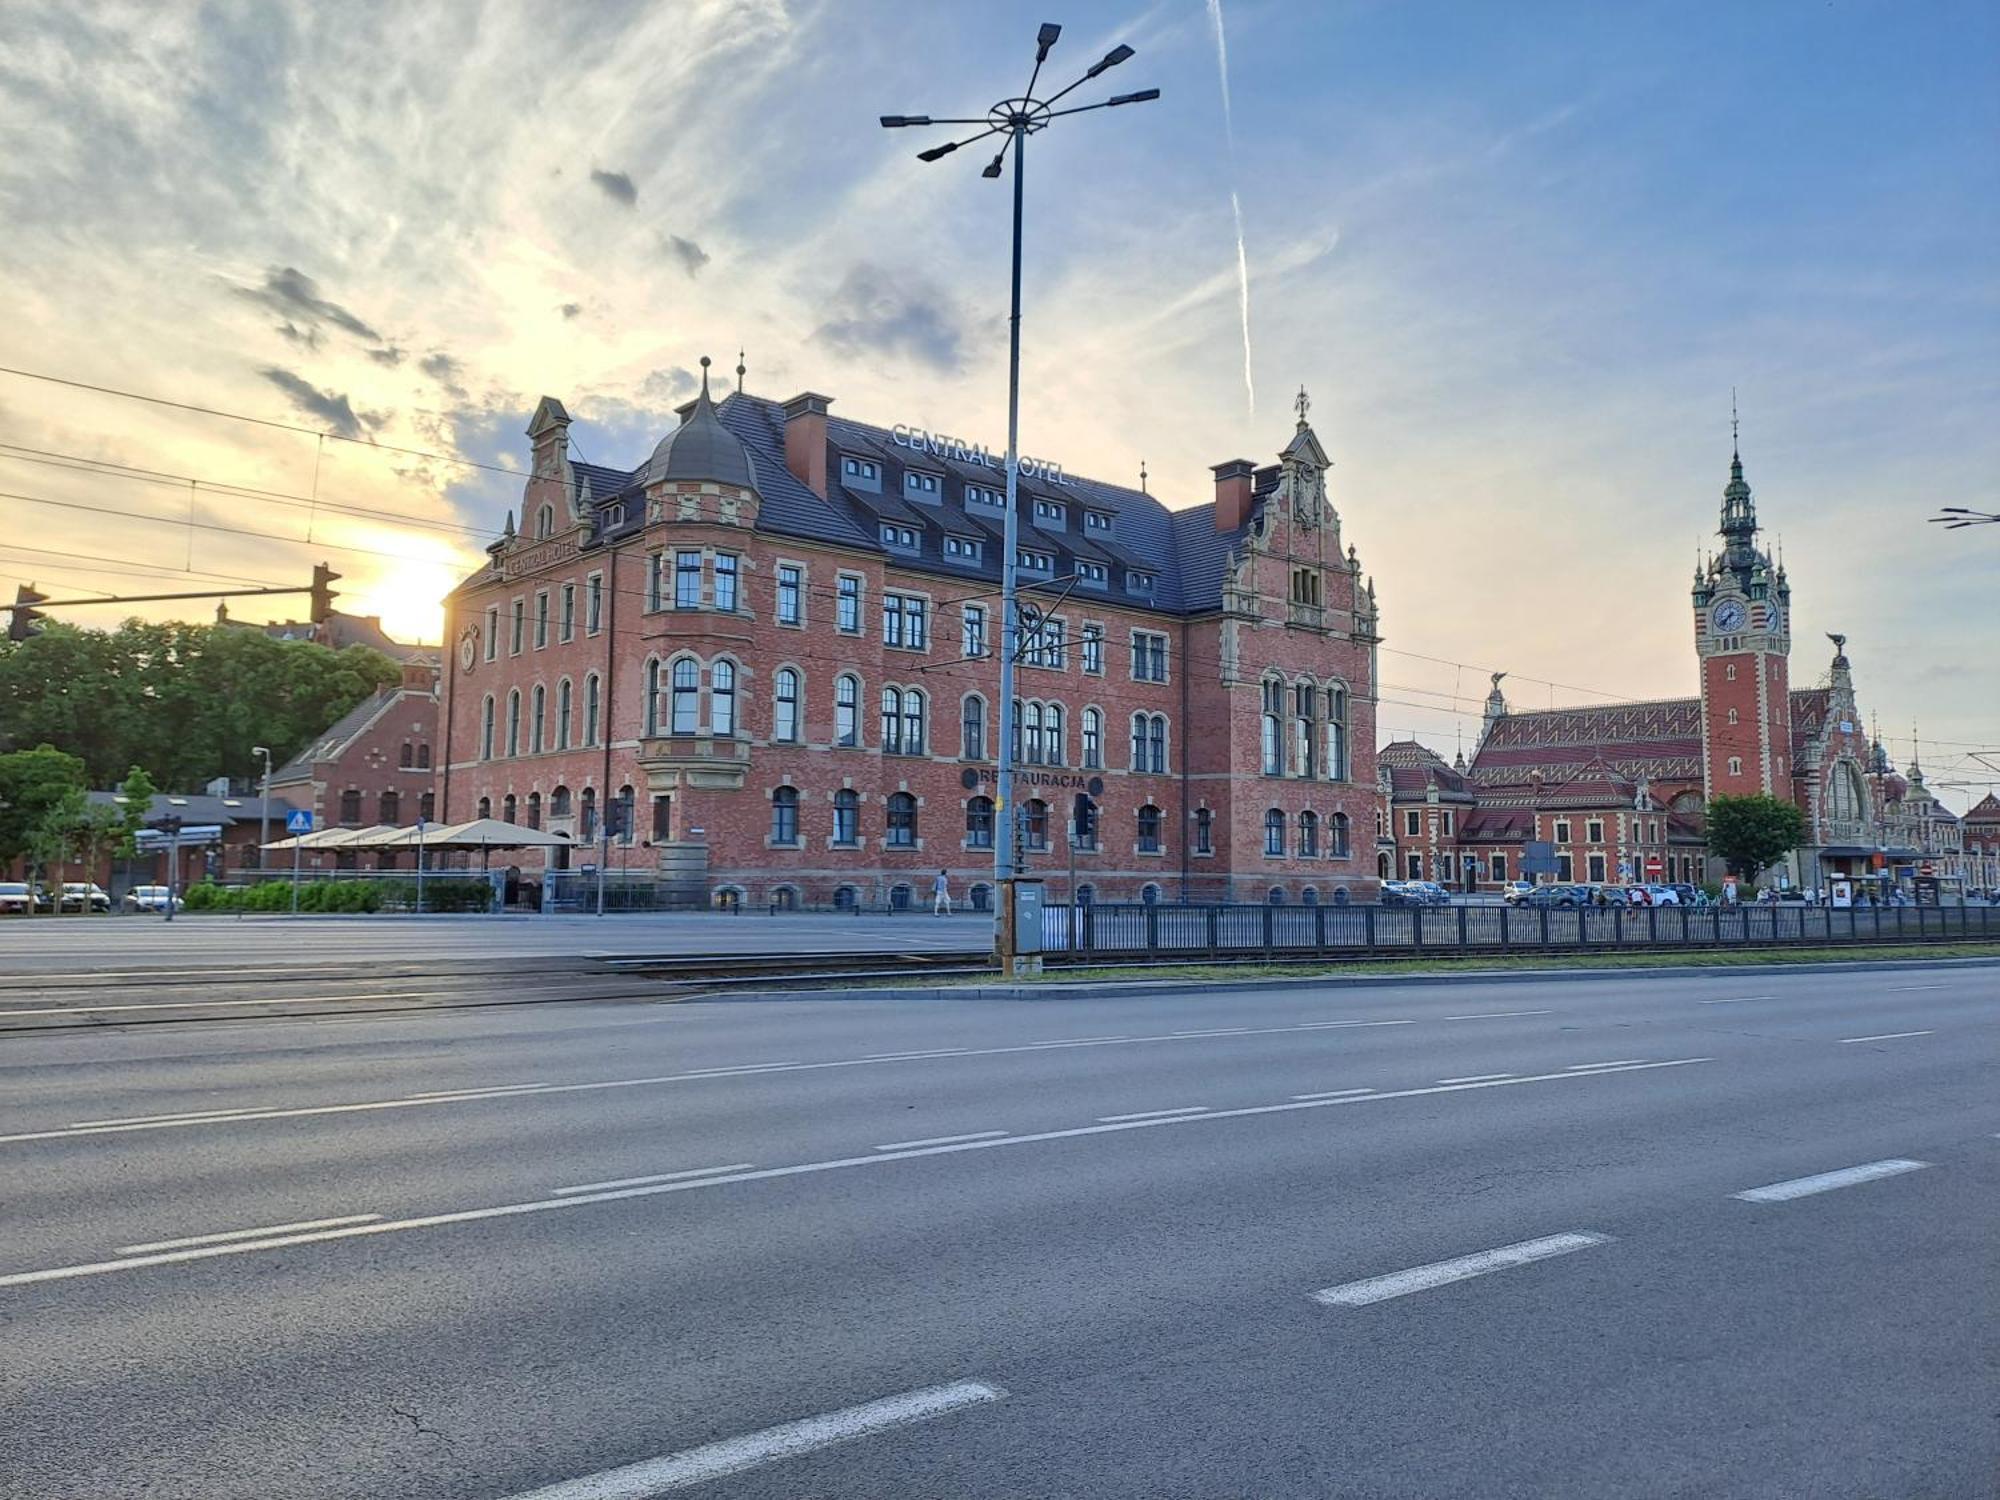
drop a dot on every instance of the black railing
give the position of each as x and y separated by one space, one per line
1118 930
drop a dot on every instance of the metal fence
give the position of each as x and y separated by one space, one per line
1122 930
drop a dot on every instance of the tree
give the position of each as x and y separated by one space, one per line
138 791
32 782
1750 834
186 701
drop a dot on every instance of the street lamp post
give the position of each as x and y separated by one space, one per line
264 817
1017 119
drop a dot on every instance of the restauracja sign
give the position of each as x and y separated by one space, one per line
918 440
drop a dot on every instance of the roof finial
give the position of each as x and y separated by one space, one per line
741 370
1303 405
1735 436
704 377
1142 478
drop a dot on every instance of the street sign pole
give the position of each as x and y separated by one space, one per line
603 859
299 823
420 866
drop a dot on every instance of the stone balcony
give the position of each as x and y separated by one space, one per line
672 761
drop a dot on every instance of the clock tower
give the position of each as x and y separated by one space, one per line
1743 636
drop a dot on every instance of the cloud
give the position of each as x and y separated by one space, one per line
617 186
305 338
691 256
388 355
879 312
295 296
671 384
334 410
441 367
571 310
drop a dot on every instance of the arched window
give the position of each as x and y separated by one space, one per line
1382 866
545 522
902 721
389 807
1156 743
559 802
1735 765
972 728
562 714
785 706
587 818
1276 895
508 809
1031 733
541 711
785 815
722 698
1035 823
982 898
979 823
902 821
514 722
914 735
408 758
1093 739
1336 732
1204 831
590 709
785 898
653 704
1149 829
628 807
485 807
1732 716
846 710
845 898
685 717
486 728
1052 733
1274 832
1150 894
424 756
427 807
1339 840
1138 742
1086 894
1310 895
1309 834
899 898
534 809
1270 727
1845 800
846 816
1305 723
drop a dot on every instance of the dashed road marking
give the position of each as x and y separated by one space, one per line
1463 1268
1887 1036
1826 1182
225 1236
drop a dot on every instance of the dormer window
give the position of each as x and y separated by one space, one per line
921 486
1091 572
1050 511
1137 582
903 538
965 548
614 516
1035 562
861 474
979 494
1096 520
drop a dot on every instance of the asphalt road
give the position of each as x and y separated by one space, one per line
1236 1245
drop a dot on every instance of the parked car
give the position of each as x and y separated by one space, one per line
1430 893
1689 895
1514 892
16 900
1396 893
81 895
1557 895
1664 895
147 898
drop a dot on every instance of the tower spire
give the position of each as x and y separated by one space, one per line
1739 510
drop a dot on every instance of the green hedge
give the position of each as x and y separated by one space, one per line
339 896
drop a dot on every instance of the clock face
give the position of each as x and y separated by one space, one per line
1728 615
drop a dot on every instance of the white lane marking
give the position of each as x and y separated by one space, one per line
658 1476
1334 1094
1444 1272
1218 1031
1826 1182
1739 1000
1497 1015
1476 1078
1905 989
474 1090
473 1093
681 1176
765 1174
185 1114
1153 1114
1887 1036
904 1056
87 1010
1077 1041
943 1140
246 1234
1618 1062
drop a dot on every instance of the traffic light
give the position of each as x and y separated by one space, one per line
25 621
323 592
1083 818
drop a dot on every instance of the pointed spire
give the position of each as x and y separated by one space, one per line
507 531
1739 510
703 399
741 370
1142 478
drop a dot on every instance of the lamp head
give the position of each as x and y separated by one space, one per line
1045 39
937 151
1111 59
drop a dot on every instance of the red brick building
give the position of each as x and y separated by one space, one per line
775 642
1619 789
1981 827
375 765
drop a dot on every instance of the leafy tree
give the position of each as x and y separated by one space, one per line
138 791
32 782
1750 834
187 701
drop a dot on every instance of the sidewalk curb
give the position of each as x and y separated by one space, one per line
1173 988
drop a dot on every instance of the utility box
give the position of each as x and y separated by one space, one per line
1027 916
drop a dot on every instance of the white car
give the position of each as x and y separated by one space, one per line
147 898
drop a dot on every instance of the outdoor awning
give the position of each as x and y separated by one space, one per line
332 838
483 833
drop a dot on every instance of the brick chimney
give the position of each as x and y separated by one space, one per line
805 439
1232 493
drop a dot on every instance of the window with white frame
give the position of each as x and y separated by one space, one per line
847 710
1097 520
1052 512
541 619
861 473
972 630
566 619
1093 650
1149 743
656 575
902 538
685 714
726 575
722 698
1305 728
1137 582
904 621
1093 739
591 709
1092 573
514 722
791 594
517 627
486 729
1035 562
492 631
848 613
687 580
593 604
964 548
979 494
1149 656
785 705
920 486
902 721
1413 824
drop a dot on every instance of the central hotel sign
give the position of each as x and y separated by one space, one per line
918 440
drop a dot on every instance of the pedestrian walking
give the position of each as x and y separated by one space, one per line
941 895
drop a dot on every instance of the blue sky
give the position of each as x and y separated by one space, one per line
1519 254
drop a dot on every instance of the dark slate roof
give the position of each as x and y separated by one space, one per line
1660 740
1179 548
328 745
1985 810
701 448
1413 767
204 809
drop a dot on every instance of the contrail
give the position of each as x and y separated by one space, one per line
1235 205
